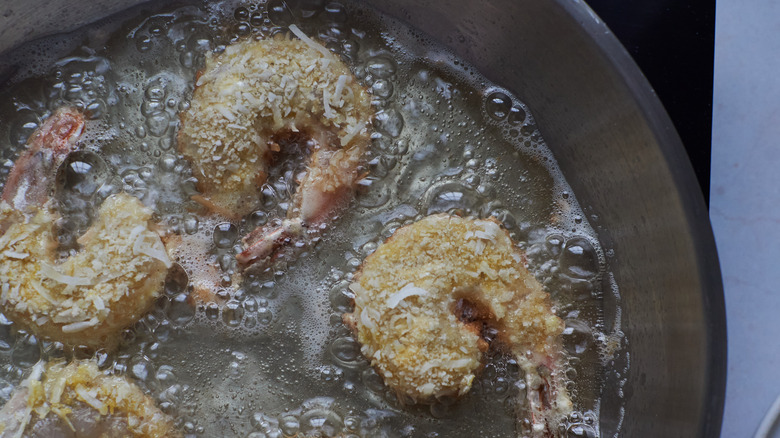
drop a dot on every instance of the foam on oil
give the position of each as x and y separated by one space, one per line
275 359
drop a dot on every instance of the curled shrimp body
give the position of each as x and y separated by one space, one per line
257 99
437 294
78 400
105 287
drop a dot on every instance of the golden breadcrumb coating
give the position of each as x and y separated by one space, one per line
408 291
90 297
255 95
64 388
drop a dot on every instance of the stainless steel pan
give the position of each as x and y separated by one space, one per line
619 152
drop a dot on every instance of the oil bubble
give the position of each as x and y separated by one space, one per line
335 12
517 115
265 425
350 49
191 224
141 369
250 322
382 88
187 59
158 123
180 311
243 29
390 122
289 425
96 109
448 196
225 234
143 43
150 107
309 8
82 173
579 259
372 380
554 244
498 105
528 130
346 352
6 334
26 352
155 91
258 20
232 313
580 431
241 14
250 305
199 42
321 422
279 13
264 315
381 67
341 297
212 311
577 336
25 124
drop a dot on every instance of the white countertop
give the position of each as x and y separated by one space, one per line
745 203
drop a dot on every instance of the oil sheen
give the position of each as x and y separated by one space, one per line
276 360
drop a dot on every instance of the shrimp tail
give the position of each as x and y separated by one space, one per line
316 202
547 400
264 244
30 180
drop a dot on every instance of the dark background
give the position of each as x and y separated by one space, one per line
673 43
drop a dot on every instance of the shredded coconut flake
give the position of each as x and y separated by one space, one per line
340 86
226 113
326 104
91 400
16 255
427 366
37 371
79 326
310 42
351 134
364 318
41 291
57 389
153 250
459 363
427 388
48 271
407 291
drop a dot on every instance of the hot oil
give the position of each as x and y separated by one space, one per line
276 359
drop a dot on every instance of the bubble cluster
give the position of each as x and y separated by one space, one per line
269 356
86 83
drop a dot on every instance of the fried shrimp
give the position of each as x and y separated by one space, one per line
439 293
79 400
91 296
262 97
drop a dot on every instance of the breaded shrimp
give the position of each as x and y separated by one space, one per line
107 286
79 400
259 97
437 294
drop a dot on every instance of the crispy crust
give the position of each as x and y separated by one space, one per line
88 299
112 398
258 91
407 298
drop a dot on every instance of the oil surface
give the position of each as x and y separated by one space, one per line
276 360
